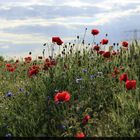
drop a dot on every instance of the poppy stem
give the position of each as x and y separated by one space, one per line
77 47
85 34
48 49
59 49
93 40
83 41
52 47
43 53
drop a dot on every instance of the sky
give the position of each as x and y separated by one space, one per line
26 24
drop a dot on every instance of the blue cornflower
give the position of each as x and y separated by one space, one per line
48 97
21 89
8 135
9 94
84 70
92 76
63 127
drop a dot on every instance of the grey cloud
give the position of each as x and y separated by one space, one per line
16 13
66 11
52 30
47 12
54 11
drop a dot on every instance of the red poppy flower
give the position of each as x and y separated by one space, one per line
100 52
96 48
114 53
49 63
47 60
28 59
130 84
94 31
106 54
8 65
33 70
63 96
53 62
80 135
35 67
57 40
125 44
11 69
85 120
123 77
59 43
104 41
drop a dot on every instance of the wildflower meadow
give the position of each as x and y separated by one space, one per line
86 90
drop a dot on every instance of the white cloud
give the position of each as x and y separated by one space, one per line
21 39
4 24
26 39
104 18
5 47
77 3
